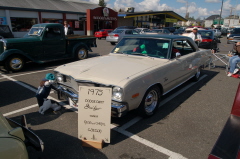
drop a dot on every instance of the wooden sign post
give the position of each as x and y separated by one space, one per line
94 115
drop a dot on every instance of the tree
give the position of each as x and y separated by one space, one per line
102 3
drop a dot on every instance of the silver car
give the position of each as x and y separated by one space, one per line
115 36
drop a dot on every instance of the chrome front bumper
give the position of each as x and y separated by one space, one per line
117 109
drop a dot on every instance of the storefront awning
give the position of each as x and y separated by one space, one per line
137 14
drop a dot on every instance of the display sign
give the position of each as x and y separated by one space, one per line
105 12
76 24
171 20
3 21
104 18
94 113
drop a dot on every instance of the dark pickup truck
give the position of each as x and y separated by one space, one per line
44 43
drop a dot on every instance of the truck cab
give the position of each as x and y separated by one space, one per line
44 43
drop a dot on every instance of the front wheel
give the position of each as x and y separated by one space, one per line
15 63
150 102
81 53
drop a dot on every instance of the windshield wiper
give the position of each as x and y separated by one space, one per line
139 54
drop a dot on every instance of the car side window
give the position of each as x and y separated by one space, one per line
128 32
184 47
52 32
134 32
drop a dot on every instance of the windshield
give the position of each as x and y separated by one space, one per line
36 31
143 47
117 31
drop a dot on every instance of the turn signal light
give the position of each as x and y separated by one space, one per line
207 40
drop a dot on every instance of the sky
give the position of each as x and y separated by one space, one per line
196 8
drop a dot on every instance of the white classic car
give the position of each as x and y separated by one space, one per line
140 69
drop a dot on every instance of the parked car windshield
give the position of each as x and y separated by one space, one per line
117 31
206 33
35 31
143 47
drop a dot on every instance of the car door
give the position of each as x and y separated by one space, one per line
54 44
187 61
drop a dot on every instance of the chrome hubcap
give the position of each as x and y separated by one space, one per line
81 53
151 101
16 63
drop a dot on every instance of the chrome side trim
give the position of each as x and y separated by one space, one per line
178 85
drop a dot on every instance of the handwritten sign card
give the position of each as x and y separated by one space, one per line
94 113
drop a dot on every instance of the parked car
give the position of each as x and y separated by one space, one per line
171 29
102 33
217 32
14 138
161 31
234 35
115 36
5 32
126 27
142 30
44 43
140 69
229 30
209 40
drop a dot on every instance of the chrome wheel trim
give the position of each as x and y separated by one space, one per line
16 63
81 53
198 73
151 101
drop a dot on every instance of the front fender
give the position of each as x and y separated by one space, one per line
80 45
10 52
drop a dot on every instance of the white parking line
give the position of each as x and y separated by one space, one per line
171 154
154 146
20 110
26 73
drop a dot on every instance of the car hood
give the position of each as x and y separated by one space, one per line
110 69
22 40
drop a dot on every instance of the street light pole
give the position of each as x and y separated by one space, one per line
220 14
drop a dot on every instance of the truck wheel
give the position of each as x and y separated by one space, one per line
150 102
15 63
113 43
81 53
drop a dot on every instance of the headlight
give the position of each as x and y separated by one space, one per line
59 77
117 93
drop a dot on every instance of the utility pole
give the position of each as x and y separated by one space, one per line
230 16
220 14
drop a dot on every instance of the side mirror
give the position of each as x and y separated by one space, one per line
178 55
17 132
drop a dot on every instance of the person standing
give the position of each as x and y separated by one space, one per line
197 38
67 29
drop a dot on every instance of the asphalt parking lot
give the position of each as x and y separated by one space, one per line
187 125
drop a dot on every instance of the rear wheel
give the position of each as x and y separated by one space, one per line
150 102
15 63
81 53
113 43
99 38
